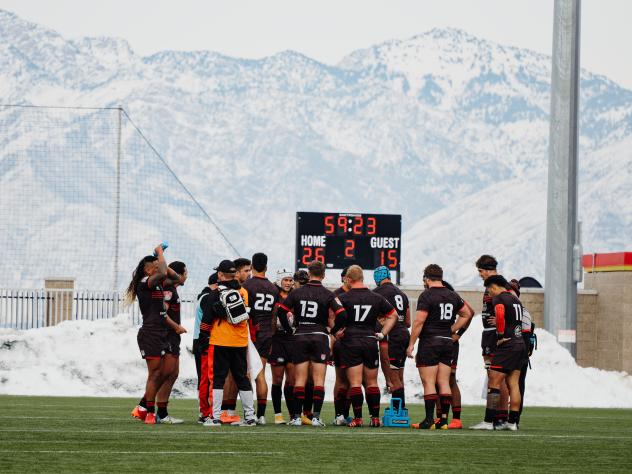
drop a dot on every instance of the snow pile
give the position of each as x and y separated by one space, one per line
101 358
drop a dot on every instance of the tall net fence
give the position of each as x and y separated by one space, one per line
84 195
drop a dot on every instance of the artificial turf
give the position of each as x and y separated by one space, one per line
59 434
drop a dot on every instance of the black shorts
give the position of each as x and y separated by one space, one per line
174 343
397 345
356 350
488 342
335 353
434 351
152 344
507 359
455 354
281 349
263 340
310 347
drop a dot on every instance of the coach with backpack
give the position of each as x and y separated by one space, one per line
225 311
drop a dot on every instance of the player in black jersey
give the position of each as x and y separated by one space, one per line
509 355
359 353
171 360
262 295
310 306
146 285
280 359
393 349
342 403
434 325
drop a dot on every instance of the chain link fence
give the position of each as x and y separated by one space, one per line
85 196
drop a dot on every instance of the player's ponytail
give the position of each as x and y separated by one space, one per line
137 276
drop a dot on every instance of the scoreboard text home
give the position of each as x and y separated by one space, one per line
343 239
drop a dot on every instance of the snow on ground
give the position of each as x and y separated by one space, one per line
101 358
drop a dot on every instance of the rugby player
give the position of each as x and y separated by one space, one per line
393 349
456 423
359 353
280 359
342 404
310 306
486 266
263 295
200 351
146 285
509 355
228 347
434 326
171 360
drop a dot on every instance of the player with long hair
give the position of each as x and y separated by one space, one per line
146 286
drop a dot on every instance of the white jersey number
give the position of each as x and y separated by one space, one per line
309 309
264 302
447 310
361 312
399 302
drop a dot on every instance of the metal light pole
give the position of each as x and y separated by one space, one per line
563 250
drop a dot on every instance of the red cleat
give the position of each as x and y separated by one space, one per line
356 423
150 419
375 422
455 425
139 413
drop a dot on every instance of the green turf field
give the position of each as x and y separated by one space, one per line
40 434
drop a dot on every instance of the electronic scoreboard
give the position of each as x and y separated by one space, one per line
343 239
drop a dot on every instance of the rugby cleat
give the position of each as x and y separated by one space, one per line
375 422
511 426
139 412
202 419
169 420
295 422
483 425
248 422
356 423
318 422
229 419
340 420
279 420
150 419
305 420
261 420
424 425
441 424
500 425
212 422
455 425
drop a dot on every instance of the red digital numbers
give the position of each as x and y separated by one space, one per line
371 225
342 225
313 253
388 258
329 225
349 248
357 225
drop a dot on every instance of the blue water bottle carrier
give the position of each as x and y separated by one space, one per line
395 416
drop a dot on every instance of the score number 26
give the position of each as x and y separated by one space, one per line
313 253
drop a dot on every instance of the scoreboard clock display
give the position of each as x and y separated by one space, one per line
342 239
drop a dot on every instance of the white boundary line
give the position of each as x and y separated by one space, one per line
53 451
338 432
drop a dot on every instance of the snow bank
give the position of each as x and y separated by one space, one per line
101 358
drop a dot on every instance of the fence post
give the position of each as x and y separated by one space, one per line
117 218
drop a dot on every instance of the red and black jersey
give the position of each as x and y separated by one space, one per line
262 296
172 300
508 312
363 308
310 305
442 306
340 291
398 300
152 305
486 312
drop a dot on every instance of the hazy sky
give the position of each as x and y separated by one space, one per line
327 30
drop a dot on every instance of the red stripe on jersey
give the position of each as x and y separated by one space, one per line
392 313
283 307
338 311
499 311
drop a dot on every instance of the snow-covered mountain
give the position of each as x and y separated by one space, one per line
437 127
